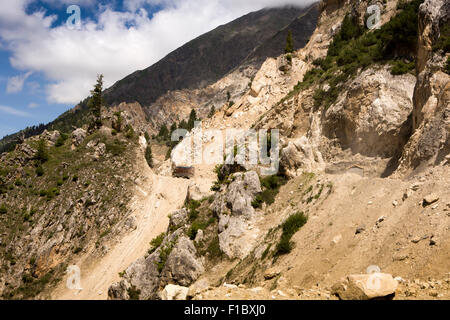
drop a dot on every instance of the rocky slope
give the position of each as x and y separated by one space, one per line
376 138
361 197
186 78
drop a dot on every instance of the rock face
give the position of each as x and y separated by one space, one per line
371 116
366 287
119 291
174 262
300 155
430 142
235 212
182 265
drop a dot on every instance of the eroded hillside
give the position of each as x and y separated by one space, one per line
363 180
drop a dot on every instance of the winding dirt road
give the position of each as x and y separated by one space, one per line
151 206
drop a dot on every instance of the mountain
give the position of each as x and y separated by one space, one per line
246 41
361 194
204 60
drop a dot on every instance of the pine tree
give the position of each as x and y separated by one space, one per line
149 156
42 152
289 43
96 102
192 119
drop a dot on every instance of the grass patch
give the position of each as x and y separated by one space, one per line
271 187
290 227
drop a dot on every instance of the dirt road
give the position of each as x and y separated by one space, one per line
151 207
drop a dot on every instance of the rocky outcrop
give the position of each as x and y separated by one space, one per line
51 136
78 136
371 115
430 142
182 265
175 262
233 206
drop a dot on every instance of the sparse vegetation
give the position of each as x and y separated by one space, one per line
354 48
164 254
289 228
156 243
271 187
134 293
149 156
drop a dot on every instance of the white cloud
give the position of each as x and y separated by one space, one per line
71 59
15 84
14 112
33 105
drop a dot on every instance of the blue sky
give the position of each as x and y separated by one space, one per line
47 67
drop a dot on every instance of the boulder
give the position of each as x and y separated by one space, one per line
78 136
271 273
119 291
366 287
51 136
178 218
183 266
174 292
430 199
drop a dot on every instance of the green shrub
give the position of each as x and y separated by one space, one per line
156 242
271 187
18 183
39 171
399 67
164 254
42 152
290 227
149 156
61 140
129 133
192 207
134 293
116 148
199 225
3 209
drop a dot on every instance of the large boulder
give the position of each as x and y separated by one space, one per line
144 275
174 292
78 136
183 266
119 291
366 287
